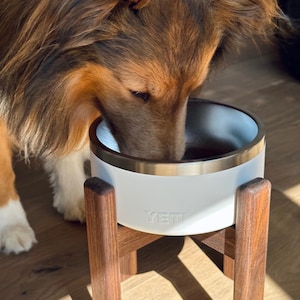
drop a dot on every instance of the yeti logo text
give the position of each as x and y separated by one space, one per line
164 217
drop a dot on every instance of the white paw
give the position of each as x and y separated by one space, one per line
73 210
75 213
67 177
17 238
16 235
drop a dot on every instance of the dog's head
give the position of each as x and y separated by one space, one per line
155 55
137 61
158 55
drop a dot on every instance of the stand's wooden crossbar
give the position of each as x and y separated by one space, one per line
112 248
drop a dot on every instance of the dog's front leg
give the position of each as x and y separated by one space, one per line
67 177
16 235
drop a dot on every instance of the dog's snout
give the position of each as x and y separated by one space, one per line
153 149
163 153
153 136
168 149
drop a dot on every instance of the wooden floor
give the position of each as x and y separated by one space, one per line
176 268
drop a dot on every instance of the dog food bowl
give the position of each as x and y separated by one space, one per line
225 147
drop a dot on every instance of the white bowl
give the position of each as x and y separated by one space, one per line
225 147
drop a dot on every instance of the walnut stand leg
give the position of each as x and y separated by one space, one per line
102 229
252 224
244 246
112 249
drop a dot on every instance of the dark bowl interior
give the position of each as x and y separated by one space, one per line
213 130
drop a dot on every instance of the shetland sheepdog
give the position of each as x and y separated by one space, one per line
135 62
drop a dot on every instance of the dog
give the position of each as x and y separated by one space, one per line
135 62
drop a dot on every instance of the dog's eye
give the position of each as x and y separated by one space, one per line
144 96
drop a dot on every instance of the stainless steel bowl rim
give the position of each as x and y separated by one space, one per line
184 167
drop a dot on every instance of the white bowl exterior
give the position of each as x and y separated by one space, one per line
177 205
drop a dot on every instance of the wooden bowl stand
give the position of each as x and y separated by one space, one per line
113 248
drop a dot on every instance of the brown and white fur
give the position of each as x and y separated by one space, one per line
62 63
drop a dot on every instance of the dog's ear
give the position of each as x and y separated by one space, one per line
248 18
138 4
